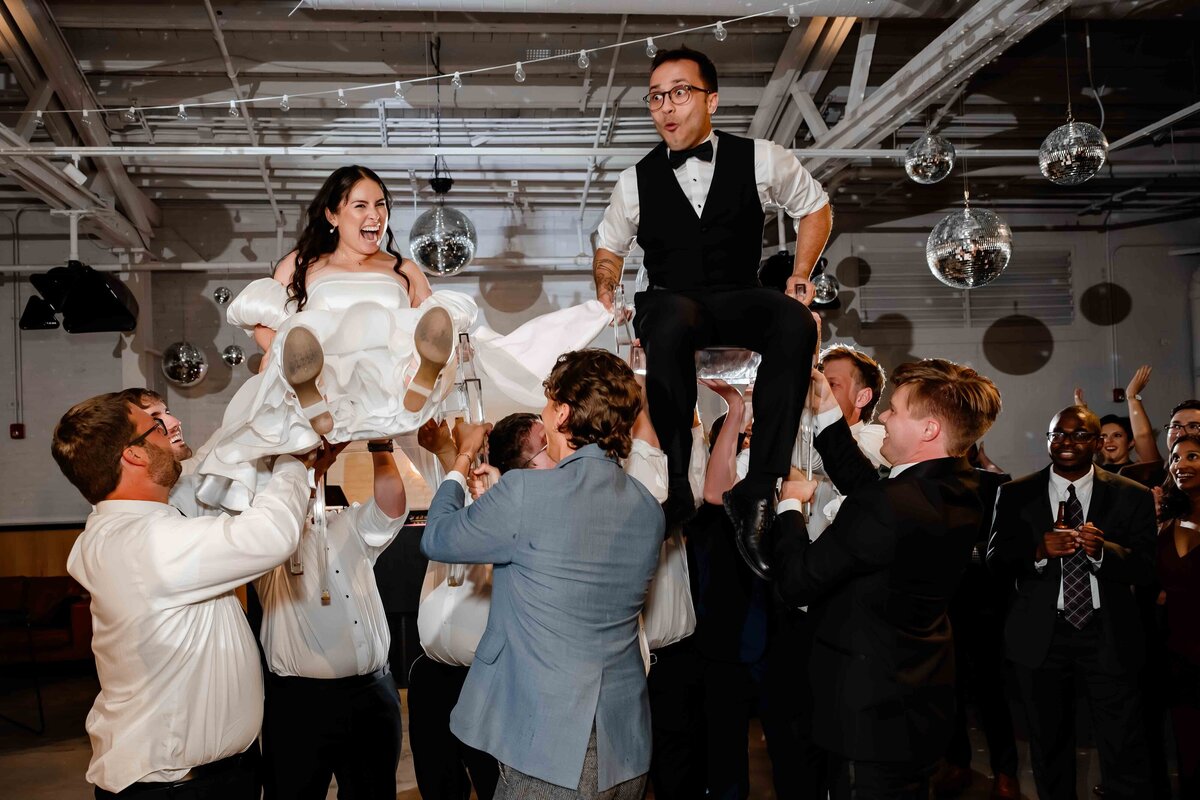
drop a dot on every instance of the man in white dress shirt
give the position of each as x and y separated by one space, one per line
332 706
695 204
180 702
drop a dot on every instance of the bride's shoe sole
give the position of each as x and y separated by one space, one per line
434 340
302 360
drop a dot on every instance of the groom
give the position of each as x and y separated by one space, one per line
696 206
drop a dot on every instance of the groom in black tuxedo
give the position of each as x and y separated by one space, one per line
695 204
1074 619
879 579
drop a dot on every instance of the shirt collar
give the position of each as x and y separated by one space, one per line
896 470
1060 483
134 507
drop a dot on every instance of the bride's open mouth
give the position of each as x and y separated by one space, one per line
371 233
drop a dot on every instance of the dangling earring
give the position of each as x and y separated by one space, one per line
334 228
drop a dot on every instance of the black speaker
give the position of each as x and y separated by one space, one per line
89 301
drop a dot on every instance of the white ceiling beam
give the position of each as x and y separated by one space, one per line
796 50
985 31
38 101
862 64
810 112
1165 122
810 82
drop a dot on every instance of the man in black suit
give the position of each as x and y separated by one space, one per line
696 204
879 579
1073 619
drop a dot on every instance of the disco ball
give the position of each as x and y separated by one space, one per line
233 355
222 295
1072 153
825 288
184 364
969 248
442 241
929 159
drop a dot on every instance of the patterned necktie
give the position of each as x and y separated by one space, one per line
1076 572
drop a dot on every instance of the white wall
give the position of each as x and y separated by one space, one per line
61 369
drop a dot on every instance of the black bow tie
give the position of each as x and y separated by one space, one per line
702 151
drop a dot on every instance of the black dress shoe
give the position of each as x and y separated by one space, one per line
679 507
752 518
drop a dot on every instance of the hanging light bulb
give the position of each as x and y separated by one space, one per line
84 118
719 33
182 113
130 114
284 105
400 89
233 109
341 98
456 81
793 18
929 159
1072 153
969 248
584 62
519 75
38 122
651 47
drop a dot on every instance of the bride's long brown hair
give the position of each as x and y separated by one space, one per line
318 240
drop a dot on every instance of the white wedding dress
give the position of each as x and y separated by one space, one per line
365 325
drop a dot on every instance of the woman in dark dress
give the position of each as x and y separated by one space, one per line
1179 574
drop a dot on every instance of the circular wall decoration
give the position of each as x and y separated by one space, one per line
1105 304
1018 344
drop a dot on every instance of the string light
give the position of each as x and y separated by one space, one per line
38 122
182 113
793 19
719 33
233 109
584 62
651 47
130 115
86 120
456 81
284 105
519 75
341 98
399 90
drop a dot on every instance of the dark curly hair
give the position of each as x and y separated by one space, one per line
317 240
1175 503
602 396
508 443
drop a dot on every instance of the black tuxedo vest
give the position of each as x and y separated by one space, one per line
719 249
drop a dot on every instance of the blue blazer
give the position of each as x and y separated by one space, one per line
574 550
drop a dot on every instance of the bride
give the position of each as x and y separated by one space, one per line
357 344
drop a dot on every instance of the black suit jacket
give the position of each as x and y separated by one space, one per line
1124 512
878 582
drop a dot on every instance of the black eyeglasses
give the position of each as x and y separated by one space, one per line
1079 437
680 95
158 425
529 460
1176 427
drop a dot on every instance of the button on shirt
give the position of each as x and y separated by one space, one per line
349 636
782 184
1083 492
180 682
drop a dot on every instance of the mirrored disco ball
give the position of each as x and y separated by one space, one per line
1073 153
233 355
183 364
825 288
222 295
929 159
442 241
969 248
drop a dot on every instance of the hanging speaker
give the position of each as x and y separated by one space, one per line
38 315
89 301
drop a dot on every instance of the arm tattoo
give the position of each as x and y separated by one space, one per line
606 270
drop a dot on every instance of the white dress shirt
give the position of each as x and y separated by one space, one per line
782 184
1083 492
349 636
180 683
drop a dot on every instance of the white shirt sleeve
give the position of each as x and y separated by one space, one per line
784 183
648 466
375 528
618 228
791 504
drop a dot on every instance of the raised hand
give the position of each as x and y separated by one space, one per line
1138 381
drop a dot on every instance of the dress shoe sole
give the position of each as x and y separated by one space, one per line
738 538
302 362
434 340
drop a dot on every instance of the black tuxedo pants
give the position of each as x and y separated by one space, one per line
879 780
1116 709
673 325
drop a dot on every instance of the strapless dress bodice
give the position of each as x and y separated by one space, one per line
340 290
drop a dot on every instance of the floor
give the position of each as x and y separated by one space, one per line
52 765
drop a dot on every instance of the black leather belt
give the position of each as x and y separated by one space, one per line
199 771
350 682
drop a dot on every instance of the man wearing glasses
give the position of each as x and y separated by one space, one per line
181 692
1073 619
695 204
